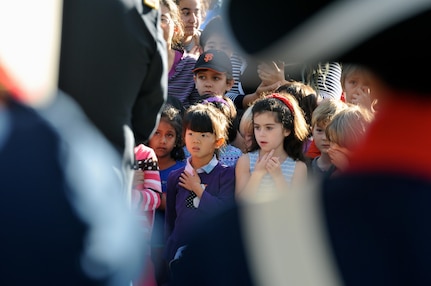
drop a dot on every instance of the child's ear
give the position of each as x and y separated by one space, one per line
219 142
229 84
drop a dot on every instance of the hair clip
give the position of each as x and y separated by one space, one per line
215 99
284 100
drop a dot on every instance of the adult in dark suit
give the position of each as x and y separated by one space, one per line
113 63
59 213
368 225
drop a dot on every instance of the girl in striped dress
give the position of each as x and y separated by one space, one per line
146 197
275 161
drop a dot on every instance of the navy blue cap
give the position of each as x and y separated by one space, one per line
214 60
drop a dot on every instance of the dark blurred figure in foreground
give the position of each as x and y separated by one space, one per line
113 63
370 224
64 222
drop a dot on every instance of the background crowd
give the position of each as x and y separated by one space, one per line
188 128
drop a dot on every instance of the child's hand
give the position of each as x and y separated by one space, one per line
270 73
273 166
190 181
339 156
362 96
262 162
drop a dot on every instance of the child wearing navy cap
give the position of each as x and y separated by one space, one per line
212 75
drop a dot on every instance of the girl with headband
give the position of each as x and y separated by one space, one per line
275 160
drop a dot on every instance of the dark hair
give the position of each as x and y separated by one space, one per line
227 107
305 95
215 26
206 118
173 116
291 118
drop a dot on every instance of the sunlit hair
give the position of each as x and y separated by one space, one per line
246 123
206 118
174 13
349 69
172 116
291 120
326 110
348 127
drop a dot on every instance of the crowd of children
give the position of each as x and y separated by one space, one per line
326 148
212 151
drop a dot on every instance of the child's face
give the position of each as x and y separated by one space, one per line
200 145
191 15
356 84
167 24
219 42
209 82
319 137
269 134
163 140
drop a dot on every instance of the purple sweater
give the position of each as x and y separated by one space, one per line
180 219
180 82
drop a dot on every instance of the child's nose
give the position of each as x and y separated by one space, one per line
196 138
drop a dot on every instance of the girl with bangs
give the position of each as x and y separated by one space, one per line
204 186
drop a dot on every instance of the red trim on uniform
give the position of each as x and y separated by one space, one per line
399 139
9 84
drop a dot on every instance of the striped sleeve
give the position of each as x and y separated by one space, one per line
329 82
146 195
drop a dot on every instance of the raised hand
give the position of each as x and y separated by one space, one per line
191 182
273 166
271 72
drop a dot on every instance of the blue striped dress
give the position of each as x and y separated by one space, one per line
267 184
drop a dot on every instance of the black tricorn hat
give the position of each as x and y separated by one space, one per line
388 36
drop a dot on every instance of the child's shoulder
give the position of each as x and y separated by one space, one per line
224 168
176 172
